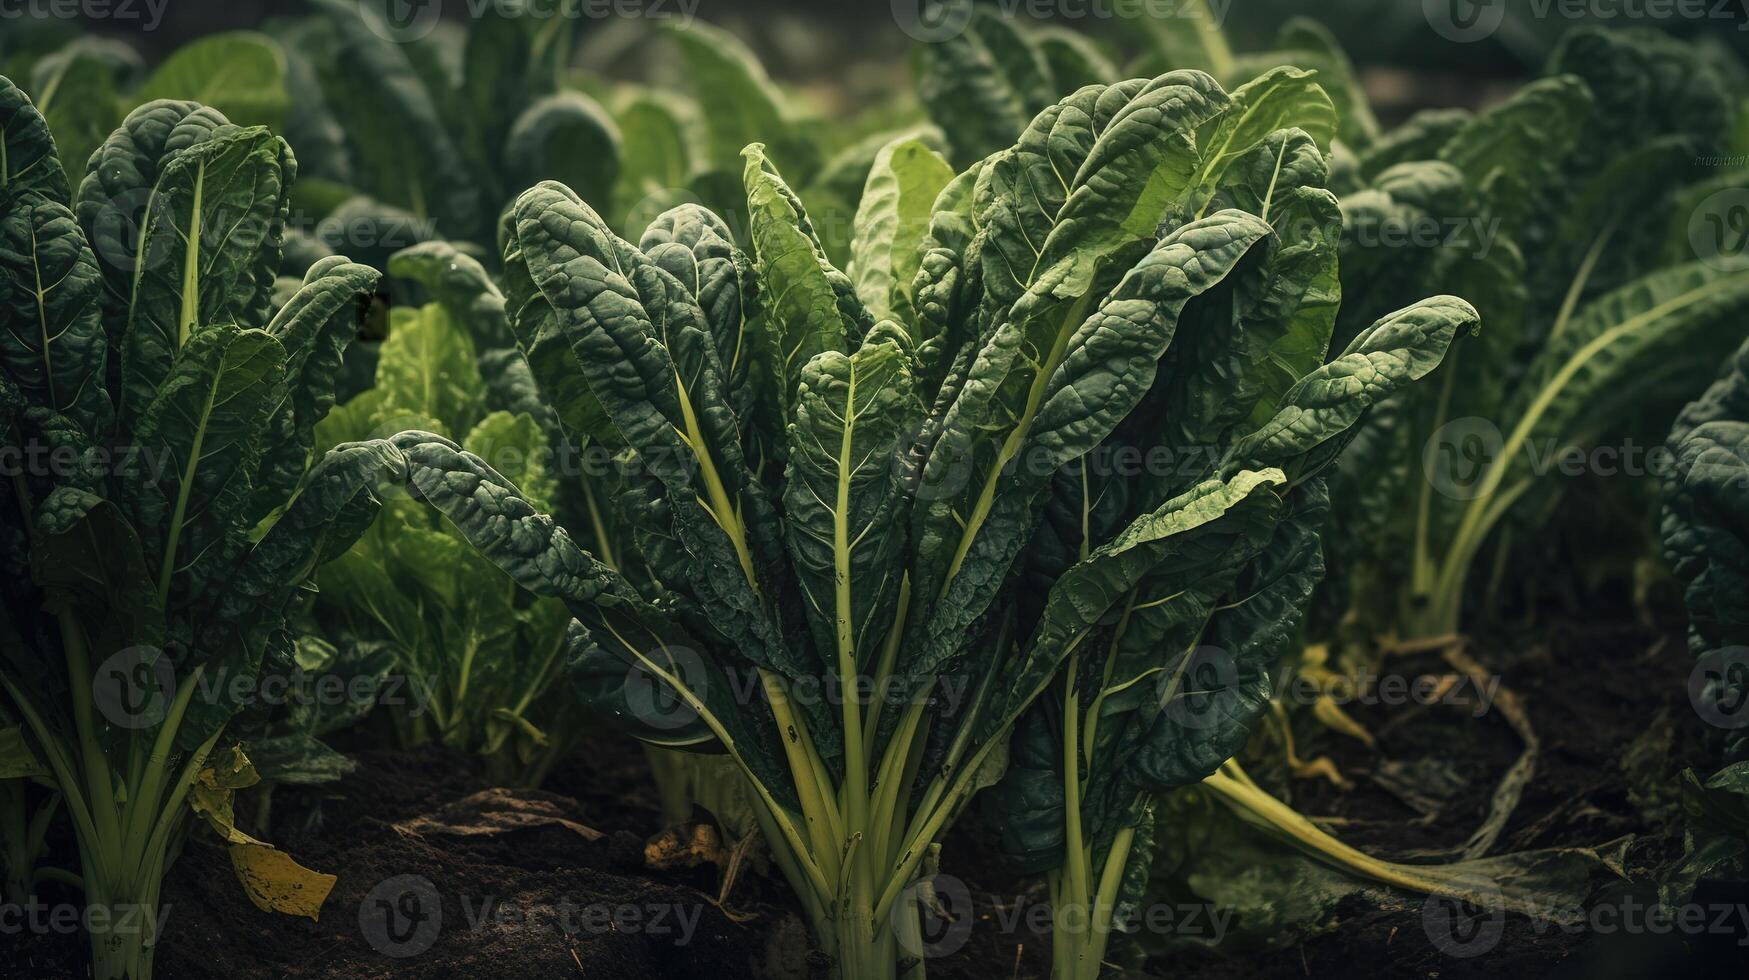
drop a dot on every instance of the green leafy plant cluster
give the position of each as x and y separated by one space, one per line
478 654
162 536
838 483
1547 211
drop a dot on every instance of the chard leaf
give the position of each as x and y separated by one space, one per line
1517 150
812 306
427 368
77 91
843 503
1183 539
546 345
641 343
698 249
1305 43
514 446
942 292
1383 267
1244 639
611 619
1646 84
1706 532
91 566
53 345
499 69
657 133
1075 60
116 198
737 102
1421 137
1098 371
1170 565
413 163
30 163
203 428
1191 39
1621 342
1284 96
895 215
207 252
1310 424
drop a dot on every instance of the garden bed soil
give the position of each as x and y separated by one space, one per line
1607 702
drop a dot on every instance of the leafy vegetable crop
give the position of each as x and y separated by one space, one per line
1539 208
833 502
479 653
159 553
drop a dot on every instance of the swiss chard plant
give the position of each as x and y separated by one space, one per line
170 502
1168 653
1538 210
475 656
837 483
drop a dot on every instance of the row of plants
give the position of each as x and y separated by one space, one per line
679 412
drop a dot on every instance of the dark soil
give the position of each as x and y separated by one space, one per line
1608 704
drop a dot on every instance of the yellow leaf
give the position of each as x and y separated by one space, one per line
269 876
276 883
